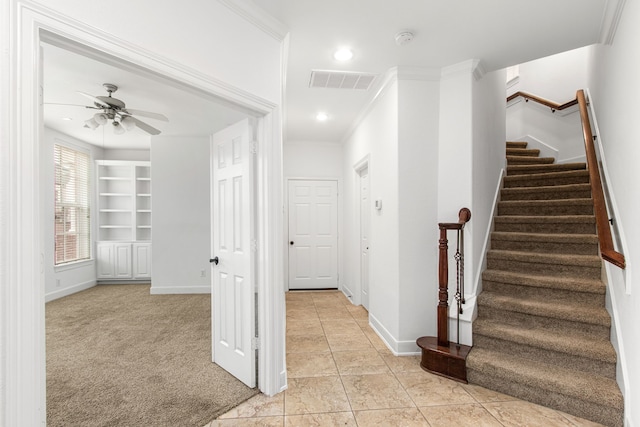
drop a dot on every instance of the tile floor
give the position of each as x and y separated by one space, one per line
341 374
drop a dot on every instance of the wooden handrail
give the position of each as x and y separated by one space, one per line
607 251
553 105
443 274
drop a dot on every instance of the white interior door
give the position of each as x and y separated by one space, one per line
365 213
313 234
233 287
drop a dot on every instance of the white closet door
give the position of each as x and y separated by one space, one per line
313 234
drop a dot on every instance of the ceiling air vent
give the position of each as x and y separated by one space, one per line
341 80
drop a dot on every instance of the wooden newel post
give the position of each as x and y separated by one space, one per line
443 288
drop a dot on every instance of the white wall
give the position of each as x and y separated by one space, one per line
556 78
613 86
119 154
180 215
418 105
64 280
488 160
376 136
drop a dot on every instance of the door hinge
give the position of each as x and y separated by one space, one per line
254 245
255 343
253 147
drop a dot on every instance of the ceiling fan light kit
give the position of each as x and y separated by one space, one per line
121 118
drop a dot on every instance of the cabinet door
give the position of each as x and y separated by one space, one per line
122 254
105 257
142 260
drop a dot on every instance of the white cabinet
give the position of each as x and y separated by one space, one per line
123 249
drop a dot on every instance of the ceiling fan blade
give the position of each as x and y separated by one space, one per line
148 114
145 127
94 99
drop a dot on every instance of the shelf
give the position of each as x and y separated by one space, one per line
143 195
117 210
115 194
144 226
143 179
115 178
115 226
144 211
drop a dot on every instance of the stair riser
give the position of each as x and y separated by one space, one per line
546 247
548 294
546 181
569 361
588 330
546 227
544 209
559 270
522 152
546 195
527 160
598 413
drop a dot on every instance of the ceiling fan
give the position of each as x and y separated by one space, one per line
114 110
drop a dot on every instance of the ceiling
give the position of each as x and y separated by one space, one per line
497 32
190 113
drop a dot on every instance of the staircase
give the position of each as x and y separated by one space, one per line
542 331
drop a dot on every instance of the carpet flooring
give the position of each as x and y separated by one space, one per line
118 356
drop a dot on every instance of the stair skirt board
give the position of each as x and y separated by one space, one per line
542 332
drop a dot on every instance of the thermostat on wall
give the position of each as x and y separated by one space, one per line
378 204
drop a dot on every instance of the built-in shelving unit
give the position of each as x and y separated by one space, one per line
124 222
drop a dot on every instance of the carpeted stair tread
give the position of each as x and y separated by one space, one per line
551 309
528 160
533 152
579 176
517 144
584 244
566 224
542 237
545 168
546 207
592 388
590 348
594 286
547 192
544 258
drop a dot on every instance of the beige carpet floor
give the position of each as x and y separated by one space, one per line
118 356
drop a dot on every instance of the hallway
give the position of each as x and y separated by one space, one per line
341 374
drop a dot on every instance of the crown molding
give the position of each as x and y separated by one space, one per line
257 17
471 66
610 20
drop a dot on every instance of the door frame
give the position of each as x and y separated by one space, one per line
285 225
22 337
364 162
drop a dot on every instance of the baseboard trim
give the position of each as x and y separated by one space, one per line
68 291
167 290
398 348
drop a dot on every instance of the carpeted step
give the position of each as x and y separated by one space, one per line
569 224
535 169
517 144
569 318
583 291
586 354
550 192
546 207
559 265
579 244
580 176
523 152
594 397
528 160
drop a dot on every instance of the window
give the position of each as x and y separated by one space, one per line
72 219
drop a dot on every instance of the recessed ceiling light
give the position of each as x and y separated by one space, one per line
321 117
343 54
68 119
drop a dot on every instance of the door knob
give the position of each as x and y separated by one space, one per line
214 260
291 242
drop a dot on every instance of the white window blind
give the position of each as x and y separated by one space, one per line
72 219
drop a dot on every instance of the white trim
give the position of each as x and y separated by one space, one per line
545 149
73 265
168 290
576 159
23 341
398 348
610 21
470 66
359 166
68 291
